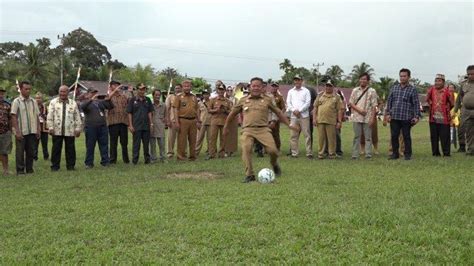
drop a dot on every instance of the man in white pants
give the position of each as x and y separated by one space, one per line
298 102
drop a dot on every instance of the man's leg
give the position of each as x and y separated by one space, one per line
136 147
331 133
44 144
368 139
192 133
338 142
30 141
161 144
357 127
56 152
153 141
434 139
322 139
20 155
213 141
103 139
171 141
222 143
395 127
123 133
462 133
114 135
406 131
200 138
264 136
469 128
91 140
182 139
276 135
70 152
247 143
146 145
307 135
294 137
445 138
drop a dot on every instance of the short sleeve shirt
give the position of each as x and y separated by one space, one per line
140 108
328 106
27 112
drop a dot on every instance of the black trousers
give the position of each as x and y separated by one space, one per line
69 142
44 145
24 152
118 131
405 127
142 136
440 133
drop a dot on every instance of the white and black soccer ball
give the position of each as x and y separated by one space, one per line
266 176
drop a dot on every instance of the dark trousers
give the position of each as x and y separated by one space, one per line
44 145
405 127
98 135
276 135
56 152
142 136
440 133
118 131
25 149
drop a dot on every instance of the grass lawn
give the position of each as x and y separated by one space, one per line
329 211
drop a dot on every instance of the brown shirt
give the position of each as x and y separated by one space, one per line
118 115
224 106
255 110
187 105
204 113
328 107
5 124
279 102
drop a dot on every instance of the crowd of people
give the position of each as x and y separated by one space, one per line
188 122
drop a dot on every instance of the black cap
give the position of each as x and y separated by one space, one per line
274 84
141 86
297 77
2 89
114 82
221 87
205 91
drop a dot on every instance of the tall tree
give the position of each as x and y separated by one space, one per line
286 65
170 73
383 86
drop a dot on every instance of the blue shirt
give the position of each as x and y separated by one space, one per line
403 103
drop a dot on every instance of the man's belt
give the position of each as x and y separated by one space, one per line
187 118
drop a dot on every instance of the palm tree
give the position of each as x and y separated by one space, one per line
358 70
335 73
36 67
169 72
385 84
286 65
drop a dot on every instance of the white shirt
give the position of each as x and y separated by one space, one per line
298 100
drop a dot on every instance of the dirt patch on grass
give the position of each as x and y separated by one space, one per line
202 175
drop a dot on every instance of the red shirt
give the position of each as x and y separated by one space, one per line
440 102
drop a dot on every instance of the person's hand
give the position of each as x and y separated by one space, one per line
132 129
77 133
315 121
225 131
338 125
388 118
38 135
414 121
176 125
371 122
51 131
295 127
297 113
18 136
363 112
272 124
198 124
94 96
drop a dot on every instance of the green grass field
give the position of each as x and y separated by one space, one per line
330 211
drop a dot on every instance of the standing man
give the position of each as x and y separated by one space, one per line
95 126
44 129
440 101
255 126
65 125
465 102
140 110
5 131
205 130
403 112
219 108
363 103
117 121
298 102
280 104
172 131
231 141
327 116
25 121
186 121
158 129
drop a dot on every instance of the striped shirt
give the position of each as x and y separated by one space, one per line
27 112
403 103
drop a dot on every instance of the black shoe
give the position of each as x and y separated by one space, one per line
71 169
54 169
30 172
462 148
249 179
310 156
260 154
277 170
393 157
89 166
147 162
407 158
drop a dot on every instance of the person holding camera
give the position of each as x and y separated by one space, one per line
95 129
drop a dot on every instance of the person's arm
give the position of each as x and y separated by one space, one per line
50 118
38 124
416 107
458 103
307 102
130 117
77 121
237 109
85 106
281 116
14 110
289 105
315 111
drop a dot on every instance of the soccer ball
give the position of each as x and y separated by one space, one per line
266 176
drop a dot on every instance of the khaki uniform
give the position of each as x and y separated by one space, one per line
231 139
280 104
217 124
205 130
328 106
187 110
172 133
255 127
466 103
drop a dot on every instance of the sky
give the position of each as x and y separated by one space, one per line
236 40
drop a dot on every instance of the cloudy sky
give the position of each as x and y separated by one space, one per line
235 40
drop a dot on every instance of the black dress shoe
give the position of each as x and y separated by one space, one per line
277 170
54 169
260 154
407 158
393 157
249 179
